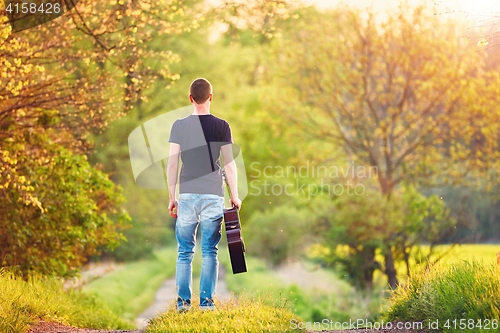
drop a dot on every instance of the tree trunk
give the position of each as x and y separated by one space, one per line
407 262
390 270
370 266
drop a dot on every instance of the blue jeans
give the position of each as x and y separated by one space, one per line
205 209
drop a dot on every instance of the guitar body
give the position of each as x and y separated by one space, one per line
234 240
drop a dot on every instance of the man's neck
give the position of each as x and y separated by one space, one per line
200 110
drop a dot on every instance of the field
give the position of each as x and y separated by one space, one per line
481 252
484 253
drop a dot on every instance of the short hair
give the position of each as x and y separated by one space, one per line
200 89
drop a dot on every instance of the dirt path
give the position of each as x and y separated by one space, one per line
44 327
167 294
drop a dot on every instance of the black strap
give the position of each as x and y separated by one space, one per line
211 158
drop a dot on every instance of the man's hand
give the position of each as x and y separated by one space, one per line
235 202
172 208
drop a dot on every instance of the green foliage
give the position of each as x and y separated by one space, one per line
476 213
135 247
236 315
352 230
61 212
403 96
40 298
129 289
357 227
278 233
467 291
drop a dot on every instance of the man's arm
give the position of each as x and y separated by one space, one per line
172 174
231 174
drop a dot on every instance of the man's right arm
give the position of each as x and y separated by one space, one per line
172 174
231 174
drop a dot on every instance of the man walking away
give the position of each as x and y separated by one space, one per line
199 140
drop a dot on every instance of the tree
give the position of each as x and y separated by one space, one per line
356 227
56 210
58 83
406 96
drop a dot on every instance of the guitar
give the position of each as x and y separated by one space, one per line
234 237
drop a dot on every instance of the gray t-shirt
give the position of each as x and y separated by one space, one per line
201 138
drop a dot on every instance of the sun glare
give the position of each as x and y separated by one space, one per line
480 7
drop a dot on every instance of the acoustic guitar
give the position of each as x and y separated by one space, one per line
234 236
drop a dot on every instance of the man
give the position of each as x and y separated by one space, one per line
199 140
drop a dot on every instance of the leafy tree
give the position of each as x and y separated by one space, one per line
406 96
58 83
356 228
56 210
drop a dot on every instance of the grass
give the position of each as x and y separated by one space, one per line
25 302
468 291
336 301
129 289
464 285
237 315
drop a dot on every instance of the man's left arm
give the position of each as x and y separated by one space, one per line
172 175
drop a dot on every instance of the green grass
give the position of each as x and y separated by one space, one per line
241 315
337 301
467 291
25 302
129 289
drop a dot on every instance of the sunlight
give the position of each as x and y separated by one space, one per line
483 7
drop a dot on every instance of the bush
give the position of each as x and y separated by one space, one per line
137 245
469 291
56 210
277 235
